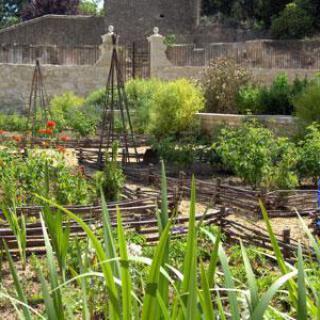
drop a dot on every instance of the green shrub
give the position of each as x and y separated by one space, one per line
307 104
13 122
309 164
276 99
69 113
221 84
111 180
292 23
140 94
248 100
22 178
254 154
173 109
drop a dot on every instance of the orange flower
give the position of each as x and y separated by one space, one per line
61 149
42 131
17 138
51 124
45 131
64 138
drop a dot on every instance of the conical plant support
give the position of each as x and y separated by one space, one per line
116 101
38 108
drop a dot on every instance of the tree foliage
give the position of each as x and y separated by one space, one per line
293 18
38 8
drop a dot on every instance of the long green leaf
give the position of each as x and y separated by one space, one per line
106 268
150 299
163 221
188 287
17 283
109 242
302 294
267 297
53 275
252 282
124 269
205 296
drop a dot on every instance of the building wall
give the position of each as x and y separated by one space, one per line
134 19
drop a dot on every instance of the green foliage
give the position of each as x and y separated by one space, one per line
111 180
227 284
88 7
258 157
221 84
22 178
307 104
13 122
248 99
178 101
141 94
292 23
276 99
68 112
309 164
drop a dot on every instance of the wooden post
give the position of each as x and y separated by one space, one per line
181 183
222 219
216 198
80 156
286 240
150 174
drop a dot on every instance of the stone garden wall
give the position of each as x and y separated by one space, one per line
15 82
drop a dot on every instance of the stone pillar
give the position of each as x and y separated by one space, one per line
106 48
158 57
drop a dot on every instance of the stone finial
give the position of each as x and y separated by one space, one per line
111 29
156 31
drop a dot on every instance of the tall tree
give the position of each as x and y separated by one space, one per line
38 8
10 11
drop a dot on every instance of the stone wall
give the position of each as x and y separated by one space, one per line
261 75
66 31
281 125
15 82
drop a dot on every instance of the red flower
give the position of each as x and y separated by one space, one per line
49 131
17 138
2 132
51 124
64 138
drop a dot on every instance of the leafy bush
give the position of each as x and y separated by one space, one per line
13 122
111 179
140 94
248 99
173 108
276 99
307 104
292 23
258 157
68 112
22 178
221 84
309 164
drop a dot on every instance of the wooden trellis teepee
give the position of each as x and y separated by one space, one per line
116 101
38 107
